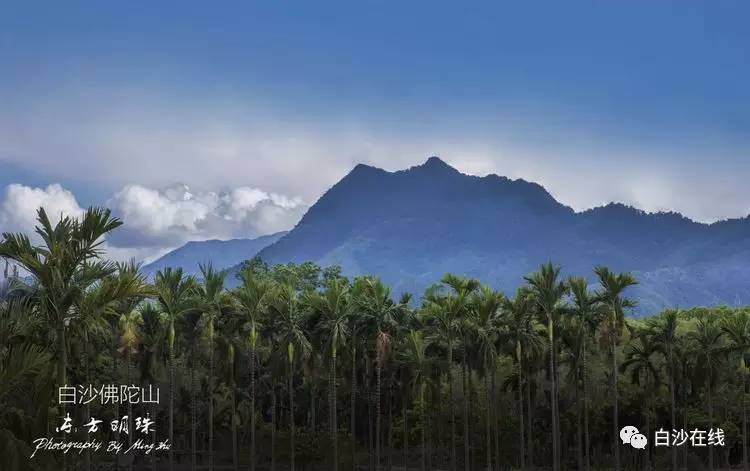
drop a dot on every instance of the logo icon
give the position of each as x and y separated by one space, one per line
631 435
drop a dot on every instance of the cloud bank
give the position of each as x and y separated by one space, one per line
100 139
157 220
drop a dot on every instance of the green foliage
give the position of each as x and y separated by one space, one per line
297 352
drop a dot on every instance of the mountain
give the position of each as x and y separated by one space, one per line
221 253
412 226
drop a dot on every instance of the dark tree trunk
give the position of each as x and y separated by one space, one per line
673 408
450 405
273 427
553 396
579 431
353 418
615 396
252 408
291 416
423 426
530 422
235 456
521 451
488 420
710 413
390 425
405 422
171 407
466 390
153 455
744 418
496 417
193 419
587 438
378 430
211 397
334 415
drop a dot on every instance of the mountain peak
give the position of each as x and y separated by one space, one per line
435 165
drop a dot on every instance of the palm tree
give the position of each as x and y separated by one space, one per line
379 311
289 320
191 333
639 361
230 327
445 314
333 307
613 286
548 292
63 267
130 339
214 302
358 325
414 354
707 338
736 328
522 337
252 296
153 336
23 363
585 309
664 332
175 294
106 300
485 324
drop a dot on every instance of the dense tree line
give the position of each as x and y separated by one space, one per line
300 367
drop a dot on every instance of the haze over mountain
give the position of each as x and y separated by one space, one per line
221 253
412 226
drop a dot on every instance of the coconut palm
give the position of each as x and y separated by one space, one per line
289 325
548 292
736 328
176 297
707 342
252 297
611 294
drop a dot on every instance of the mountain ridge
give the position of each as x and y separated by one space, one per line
411 226
222 254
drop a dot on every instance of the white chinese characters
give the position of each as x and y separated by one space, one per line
108 394
696 437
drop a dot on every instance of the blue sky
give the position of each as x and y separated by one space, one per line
640 102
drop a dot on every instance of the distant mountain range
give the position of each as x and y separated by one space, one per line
222 254
412 226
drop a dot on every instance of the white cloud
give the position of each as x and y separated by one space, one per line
110 138
157 220
172 216
19 206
